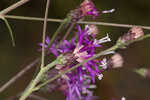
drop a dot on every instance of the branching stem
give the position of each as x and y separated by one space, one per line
44 33
38 78
113 48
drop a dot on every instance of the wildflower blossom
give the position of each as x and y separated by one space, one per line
77 84
87 8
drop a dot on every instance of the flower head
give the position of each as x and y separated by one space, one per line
133 33
77 84
87 8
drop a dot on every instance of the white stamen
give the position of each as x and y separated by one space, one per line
104 63
87 27
103 40
108 11
83 68
123 98
100 76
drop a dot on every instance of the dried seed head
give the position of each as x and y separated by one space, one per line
133 33
116 61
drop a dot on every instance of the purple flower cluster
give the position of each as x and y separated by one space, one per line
78 83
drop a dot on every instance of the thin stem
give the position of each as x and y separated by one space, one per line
32 18
80 22
38 78
69 30
66 20
33 63
37 97
29 90
67 33
12 7
10 31
140 38
18 75
113 48
44 33
32 96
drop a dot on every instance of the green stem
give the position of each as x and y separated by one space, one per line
66 20
37 79
44 33
80 22
29 90
113 48
140 38
10 30
68 31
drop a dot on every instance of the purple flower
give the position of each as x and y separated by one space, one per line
87 8
53 48
79 87
78 83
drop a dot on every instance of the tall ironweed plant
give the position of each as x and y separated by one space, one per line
78 60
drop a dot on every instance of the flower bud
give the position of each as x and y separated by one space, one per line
92 29
134 33
116 61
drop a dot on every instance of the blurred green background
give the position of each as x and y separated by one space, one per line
115 84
